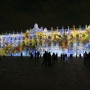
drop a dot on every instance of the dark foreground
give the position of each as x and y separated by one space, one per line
26 74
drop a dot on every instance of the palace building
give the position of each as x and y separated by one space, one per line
69 40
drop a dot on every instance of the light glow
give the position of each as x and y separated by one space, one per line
59 41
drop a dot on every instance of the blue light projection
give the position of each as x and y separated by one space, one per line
74 45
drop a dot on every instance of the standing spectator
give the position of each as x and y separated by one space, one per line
38 54
65 56
44 59
49 59
11 54
85 57
80 55
61 56
21 56
56 57
31 55
35 55
88 57
76 55
53 58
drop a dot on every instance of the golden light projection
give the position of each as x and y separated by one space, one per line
61 40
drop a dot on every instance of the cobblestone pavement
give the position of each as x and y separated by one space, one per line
26 74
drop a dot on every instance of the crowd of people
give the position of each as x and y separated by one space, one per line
49 59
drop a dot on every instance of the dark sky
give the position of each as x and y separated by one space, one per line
22 14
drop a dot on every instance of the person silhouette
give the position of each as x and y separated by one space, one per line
53 58
85 57
21 56
35 55
49 59
44 59
38 54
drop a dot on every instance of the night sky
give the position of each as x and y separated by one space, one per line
23 14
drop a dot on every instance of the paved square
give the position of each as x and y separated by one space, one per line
26 74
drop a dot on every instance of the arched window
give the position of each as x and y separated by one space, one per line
15 38
71 44
3 44
11 38
30 37
22 37
3 38
54 42
19 38
78 43
0 45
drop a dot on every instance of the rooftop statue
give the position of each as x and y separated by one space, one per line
36 26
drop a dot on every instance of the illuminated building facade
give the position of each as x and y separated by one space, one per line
71 41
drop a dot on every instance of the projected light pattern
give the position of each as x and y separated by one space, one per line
71 41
